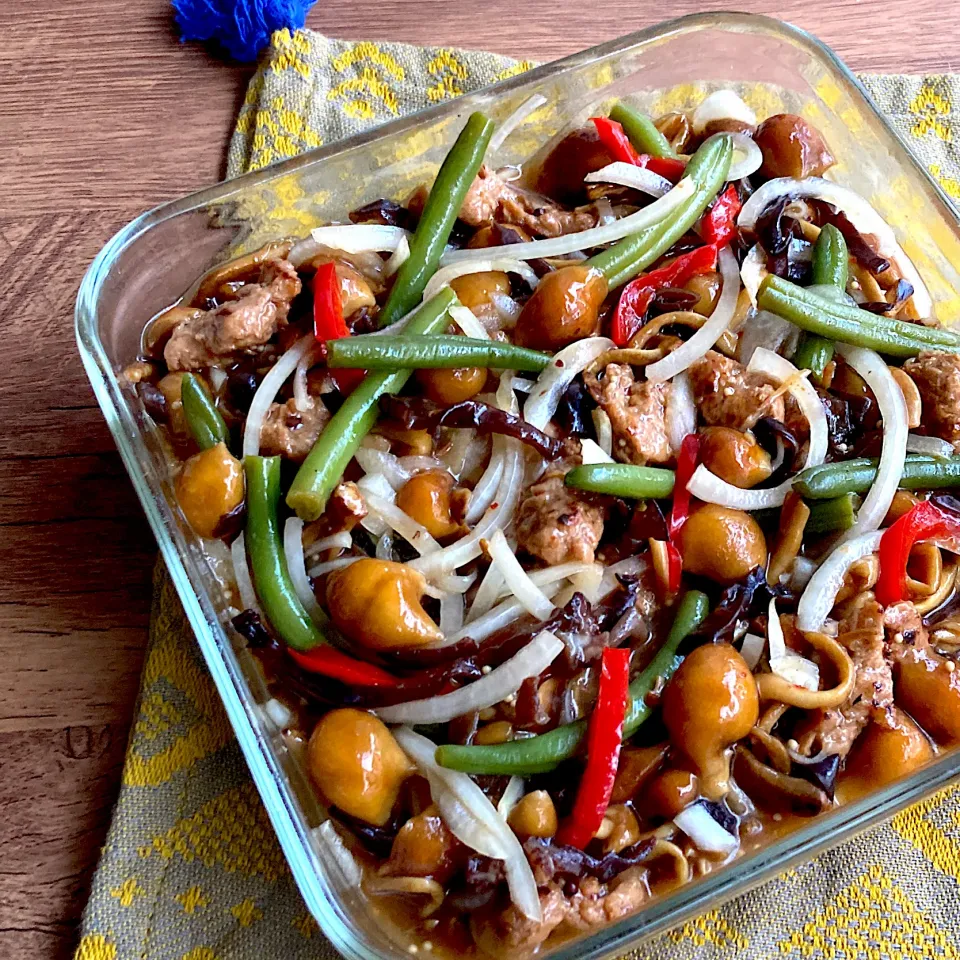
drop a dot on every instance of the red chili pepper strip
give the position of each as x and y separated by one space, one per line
636 295
686 464
720 221
328 322
331 662
925 521
674 568
615 139
604 737
666 167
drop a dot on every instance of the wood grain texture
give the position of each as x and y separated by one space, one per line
103 114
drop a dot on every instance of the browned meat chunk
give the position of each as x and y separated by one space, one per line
937 376
637 413
596 904
863 636
345 509
491 199
728 396
237 325
905 627
505 933
557 524
290 432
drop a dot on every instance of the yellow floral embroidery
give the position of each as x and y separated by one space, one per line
247 913
930 106
291 52
157 716
710 928
94 946
305 925
200 953
127 892
522 67
363 108
449 70
951 185
192 899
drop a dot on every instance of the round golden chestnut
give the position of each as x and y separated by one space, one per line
209 487
564 307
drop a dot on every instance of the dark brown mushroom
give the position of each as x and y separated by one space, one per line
775 790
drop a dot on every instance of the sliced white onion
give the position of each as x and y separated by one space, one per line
379 461
452 606
267 393
361 237
487 593
752 649
493 688
549 576
721 105
592 452
490 262
893 453
558 374
605 212
601 423
511 796
301 398
336 541
508 310
398 258
326 836
785 663
765 329
695 821
468 323
630 175
719 320
416 534
454 456
281 716
322 569
521 385
534 600
709 487
493 620
218 377
681 411
589 582
821 592
747 157
379 486
241 573
484 820
594 237
414 463
933 446
384 549
858 211
753 270
297 568
486 487
803 569
514 120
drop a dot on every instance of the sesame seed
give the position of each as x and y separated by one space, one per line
413 948
951 666
485 669
431 924
793 745
427 945
778 817
728 391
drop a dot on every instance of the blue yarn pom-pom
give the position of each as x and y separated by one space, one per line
241 27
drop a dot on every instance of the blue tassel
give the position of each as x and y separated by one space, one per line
241 27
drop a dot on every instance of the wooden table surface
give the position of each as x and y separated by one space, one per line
102 114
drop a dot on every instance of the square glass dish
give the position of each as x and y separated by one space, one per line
149 263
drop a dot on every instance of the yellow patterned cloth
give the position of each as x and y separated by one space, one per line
191 869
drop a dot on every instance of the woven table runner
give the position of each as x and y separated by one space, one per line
191 869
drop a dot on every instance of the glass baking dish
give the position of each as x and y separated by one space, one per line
149 263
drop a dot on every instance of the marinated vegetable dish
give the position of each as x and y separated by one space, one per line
590 520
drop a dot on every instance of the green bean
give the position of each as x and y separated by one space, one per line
848 324
642 131
267 560
830 268
920 472
438 352
830 516
830 258
203 418
708 172
622 480
442 208
328 459
545 752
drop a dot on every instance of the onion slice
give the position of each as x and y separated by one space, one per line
543 399
361 237
893 453
858 211
785 663
468 323
297 568
821 592
496 686
336 541
709 487
455 793
747 157
649 216
695 821
241 573
604 428
719 321
398 258
511 796
753 270
592 452
534 600
267 393
416 534
630 175
514 120
933 446
721 105
681 412
483 264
